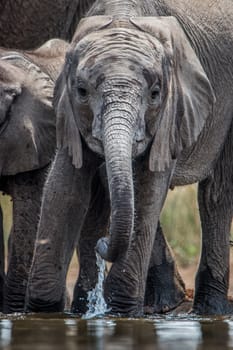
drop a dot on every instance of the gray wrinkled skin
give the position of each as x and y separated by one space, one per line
145 93
27 144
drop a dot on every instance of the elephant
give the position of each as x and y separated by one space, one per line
27 144
27 25
144 97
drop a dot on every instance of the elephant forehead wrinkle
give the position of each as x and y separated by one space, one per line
118 43
117 50
114 66
129 35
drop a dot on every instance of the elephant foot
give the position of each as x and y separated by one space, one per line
13 306
211 292
165 289
38 301
121 294
123 306
212 304
14 298
79 303
45 295
38 305
166 303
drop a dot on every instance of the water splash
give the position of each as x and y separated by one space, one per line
96 303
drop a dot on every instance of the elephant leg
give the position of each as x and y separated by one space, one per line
2 261
165 288
26 191
212 279
126 282
216 208
95 225
64 206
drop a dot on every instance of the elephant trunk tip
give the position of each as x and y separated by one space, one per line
103 248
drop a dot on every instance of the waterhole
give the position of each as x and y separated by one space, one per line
64 331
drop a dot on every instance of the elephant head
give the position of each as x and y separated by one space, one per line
27 119
130 87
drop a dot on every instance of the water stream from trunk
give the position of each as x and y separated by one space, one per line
96 303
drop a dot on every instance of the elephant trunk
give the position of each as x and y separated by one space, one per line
119 125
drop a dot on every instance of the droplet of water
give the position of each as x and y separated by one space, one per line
96 303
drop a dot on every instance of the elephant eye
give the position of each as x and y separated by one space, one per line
155 93
82 91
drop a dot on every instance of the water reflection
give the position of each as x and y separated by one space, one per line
178 335
215 336
66 332
5 333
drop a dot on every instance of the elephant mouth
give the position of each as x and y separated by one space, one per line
140 147
94 144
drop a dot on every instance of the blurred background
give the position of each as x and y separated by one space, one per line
181 224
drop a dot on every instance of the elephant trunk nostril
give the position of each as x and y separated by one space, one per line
102 247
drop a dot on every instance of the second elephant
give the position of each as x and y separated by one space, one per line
27 146
26 25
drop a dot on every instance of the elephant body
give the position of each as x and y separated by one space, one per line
145 95
27 143
26 25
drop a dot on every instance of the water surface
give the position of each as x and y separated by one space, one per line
55 332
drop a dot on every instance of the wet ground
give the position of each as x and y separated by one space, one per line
66 332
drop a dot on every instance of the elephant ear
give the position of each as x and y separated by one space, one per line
190 97
27 139
68 135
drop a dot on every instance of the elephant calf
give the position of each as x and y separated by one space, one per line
27 144
145 93
96 147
